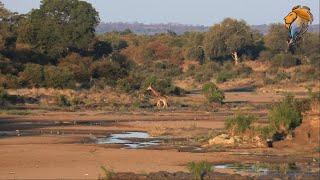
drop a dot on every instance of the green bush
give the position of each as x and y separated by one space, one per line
315 61
202 77
284 60
3 96
285 116
200 169
131 83
265 132
112 69
57 77
63 100
78 66
304 74
9 81
108 174
265 55
282 76
240 123
165 69
213 93
32 75
269 81
224 76
164 86
243 70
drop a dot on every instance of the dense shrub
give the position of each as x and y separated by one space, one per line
285 116
205 72
9 81
164 86
112 69
78 66
62 100
282 76
306 73
57 77
7 66
213 93
3 96
240 123
202 77
200 169
166 69
32 75
265 132
131 83
284 60
266 55
224 76
243 70
315 61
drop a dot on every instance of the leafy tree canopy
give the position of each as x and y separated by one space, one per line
276 39
60 26
228 37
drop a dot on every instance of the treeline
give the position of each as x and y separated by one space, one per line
148 29
56 46
152 29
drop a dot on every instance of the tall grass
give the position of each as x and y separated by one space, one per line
200 169
285 116
239 124
108 174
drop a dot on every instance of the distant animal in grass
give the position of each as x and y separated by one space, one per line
162 101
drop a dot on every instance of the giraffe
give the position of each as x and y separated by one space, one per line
160 99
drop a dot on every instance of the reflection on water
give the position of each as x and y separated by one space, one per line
270 168
132 140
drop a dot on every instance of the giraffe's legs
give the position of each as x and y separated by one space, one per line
164 103
159 104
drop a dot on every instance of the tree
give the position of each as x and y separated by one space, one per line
231 37
193 46
101 49
3 11
276 39
60 26
8 22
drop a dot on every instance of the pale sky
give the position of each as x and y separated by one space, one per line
196 12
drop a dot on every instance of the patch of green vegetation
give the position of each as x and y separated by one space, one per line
224 76
240 123
200 169
3 96
285 116
213 93
63 100
108 174
265 132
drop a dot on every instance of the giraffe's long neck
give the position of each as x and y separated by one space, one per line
155 93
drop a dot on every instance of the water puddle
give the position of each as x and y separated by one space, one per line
269 168
131 140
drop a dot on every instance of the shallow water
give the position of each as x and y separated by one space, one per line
131 140
270 168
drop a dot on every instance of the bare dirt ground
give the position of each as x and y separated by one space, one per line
59 146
